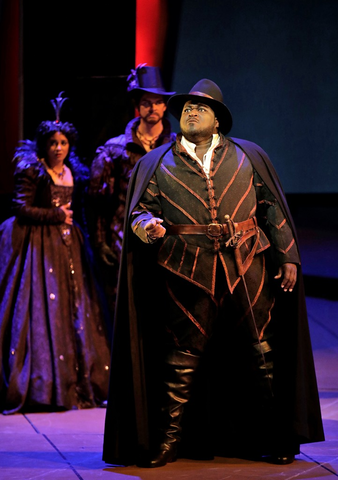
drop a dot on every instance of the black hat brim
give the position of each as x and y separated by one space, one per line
176 103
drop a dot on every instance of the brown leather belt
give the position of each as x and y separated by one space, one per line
213 229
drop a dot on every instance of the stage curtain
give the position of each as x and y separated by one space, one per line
151 30
10 90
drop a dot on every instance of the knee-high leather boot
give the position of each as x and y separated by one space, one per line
179 372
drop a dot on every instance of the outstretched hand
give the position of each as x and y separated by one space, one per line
154 228
288 273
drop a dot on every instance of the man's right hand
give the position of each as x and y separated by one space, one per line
154 228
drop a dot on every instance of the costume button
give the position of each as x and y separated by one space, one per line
52 296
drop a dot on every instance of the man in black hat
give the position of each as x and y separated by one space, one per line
211 316
112 165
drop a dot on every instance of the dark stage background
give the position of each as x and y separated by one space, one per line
82 52
277 64
275 60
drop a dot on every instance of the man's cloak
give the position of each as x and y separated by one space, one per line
225 416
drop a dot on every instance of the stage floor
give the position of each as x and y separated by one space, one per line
68 445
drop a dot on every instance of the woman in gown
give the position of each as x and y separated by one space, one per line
54 352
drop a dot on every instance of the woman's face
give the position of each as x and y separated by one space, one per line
57 148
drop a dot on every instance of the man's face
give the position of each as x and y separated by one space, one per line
152 108
198 121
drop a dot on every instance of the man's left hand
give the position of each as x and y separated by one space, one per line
288 273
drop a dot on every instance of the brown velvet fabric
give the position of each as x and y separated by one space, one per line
53 345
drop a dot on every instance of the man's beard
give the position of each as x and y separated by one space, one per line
192 134
152 121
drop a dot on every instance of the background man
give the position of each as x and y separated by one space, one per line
111 168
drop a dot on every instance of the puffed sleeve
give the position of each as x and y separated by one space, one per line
30 204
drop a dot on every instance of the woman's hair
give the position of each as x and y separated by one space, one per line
47 129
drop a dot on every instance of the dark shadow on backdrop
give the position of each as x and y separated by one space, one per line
78 48
90 61
10 93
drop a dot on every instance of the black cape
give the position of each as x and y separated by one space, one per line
224 417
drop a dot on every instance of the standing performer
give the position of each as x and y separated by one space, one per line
112 166
54 350
211 315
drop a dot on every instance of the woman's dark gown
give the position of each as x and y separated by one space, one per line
53 344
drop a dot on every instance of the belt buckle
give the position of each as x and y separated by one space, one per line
215 229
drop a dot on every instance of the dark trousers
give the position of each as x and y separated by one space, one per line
191 314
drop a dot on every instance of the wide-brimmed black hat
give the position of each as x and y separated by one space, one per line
146 79
204 91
